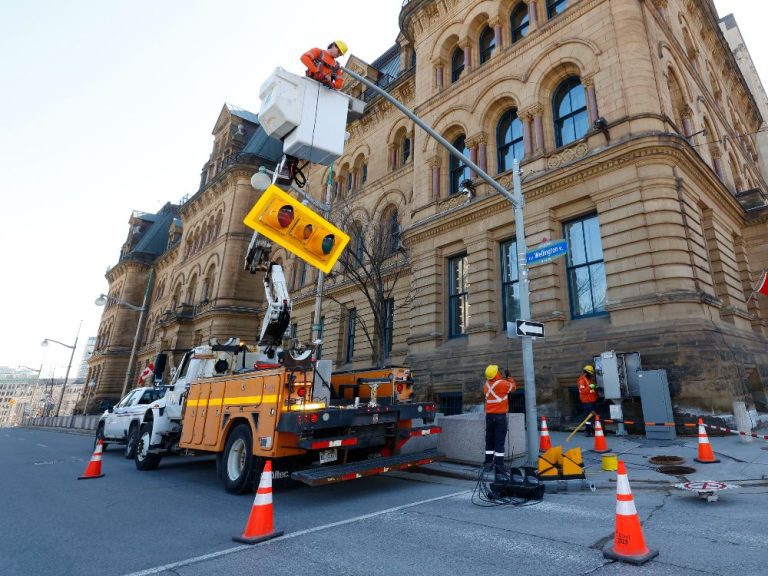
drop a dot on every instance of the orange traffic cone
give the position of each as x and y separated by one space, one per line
600 444
545 443
93 470
260 526
628 542
706 456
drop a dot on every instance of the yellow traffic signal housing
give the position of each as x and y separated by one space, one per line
301 231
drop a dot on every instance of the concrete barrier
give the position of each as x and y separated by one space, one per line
71 422
463 437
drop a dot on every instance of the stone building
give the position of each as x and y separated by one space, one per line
190 259
636 132
635 128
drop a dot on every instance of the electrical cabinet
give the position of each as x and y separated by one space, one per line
657 404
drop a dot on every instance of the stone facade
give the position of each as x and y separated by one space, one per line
666 147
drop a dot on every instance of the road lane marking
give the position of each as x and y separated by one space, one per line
290 535
43 446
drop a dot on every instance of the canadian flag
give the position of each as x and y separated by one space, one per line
762 287
146 373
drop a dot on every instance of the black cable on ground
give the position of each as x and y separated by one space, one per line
483 496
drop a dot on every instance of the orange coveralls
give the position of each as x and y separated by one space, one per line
321 66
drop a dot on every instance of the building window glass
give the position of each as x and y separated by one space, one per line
393 232
365 173
359 240
519 22
302 273
555 7
458 169
349 182
389 324
510 282
487 44
458 296
585 266
457 64
406 149
509 140
569 109
350 349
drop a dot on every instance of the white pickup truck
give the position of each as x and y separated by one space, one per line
121 423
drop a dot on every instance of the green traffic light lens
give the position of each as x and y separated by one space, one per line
285 216
328 243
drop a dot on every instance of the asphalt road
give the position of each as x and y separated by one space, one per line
178 521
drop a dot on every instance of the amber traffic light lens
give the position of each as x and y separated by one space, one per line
285 216
307 231
328 243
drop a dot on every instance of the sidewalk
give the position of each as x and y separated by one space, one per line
739 462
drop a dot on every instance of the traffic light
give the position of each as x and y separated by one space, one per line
289 223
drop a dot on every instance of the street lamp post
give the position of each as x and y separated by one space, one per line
71 356
102 300
91 385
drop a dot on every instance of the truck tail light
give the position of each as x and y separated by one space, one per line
399 388
313 418
301 392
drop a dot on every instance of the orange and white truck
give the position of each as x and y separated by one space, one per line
314 430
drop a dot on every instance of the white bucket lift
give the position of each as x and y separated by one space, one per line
309 118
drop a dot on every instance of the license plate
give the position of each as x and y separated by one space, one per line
328 455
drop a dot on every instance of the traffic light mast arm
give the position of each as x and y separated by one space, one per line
516 199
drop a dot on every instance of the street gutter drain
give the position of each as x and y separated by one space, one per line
676 470
666 460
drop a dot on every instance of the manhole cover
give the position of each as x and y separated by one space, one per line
676 470
666 460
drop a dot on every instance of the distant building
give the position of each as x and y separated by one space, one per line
82 371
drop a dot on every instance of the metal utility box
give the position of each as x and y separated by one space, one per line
657 404
309 118
616 374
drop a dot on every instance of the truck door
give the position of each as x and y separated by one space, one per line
213 418
112 424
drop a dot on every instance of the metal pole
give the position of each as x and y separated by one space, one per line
128 370
316 326
516 199
66 376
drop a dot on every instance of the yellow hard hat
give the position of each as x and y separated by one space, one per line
589 369
342 46
491 371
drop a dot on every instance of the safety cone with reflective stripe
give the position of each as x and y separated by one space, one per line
706 456
93 470
600 443
545 443
260 524
628 542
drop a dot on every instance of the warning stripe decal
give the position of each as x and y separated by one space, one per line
233 400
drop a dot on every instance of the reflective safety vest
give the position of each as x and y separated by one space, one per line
321 66
586 394
497 392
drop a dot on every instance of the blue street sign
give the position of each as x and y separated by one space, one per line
547 251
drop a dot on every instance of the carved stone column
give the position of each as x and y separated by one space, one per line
661 6
717 162
687 127
439 72
495 23
526 118
466 45
589 86
533 15
538 127
471 144
482 152
392 157
434 164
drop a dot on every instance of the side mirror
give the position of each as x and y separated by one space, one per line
111 409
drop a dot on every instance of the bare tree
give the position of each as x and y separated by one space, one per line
374 261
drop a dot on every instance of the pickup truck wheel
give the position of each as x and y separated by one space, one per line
239 465
100 435
146 460
131 441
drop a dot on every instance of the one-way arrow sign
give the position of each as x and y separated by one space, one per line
527 328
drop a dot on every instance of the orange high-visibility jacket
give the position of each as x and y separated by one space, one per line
321 66
496 392
586 394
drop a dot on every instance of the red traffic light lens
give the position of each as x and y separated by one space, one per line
285 216
328 243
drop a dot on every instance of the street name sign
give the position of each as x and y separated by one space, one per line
547 251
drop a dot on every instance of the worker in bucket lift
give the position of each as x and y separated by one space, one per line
496 391
322 66
588 396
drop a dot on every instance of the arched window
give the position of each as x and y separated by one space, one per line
518 22
393 232
555 7
487 44
509 139
569 109
457 64
459 171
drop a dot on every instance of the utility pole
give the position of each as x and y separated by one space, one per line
515 197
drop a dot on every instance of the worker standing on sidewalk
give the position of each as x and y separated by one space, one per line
322 66
496 391
588 396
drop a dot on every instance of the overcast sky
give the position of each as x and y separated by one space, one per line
107 107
